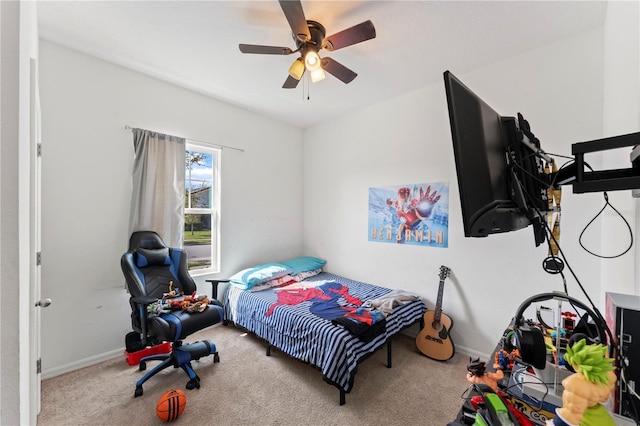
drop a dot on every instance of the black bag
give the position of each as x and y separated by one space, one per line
133 342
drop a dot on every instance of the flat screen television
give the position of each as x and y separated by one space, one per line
501 176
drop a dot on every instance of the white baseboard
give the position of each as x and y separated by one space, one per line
412 331
463 350
87 362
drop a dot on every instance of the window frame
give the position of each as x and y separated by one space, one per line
214 210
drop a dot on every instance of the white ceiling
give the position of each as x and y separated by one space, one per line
195 44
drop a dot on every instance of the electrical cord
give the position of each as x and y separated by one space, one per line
606 203
593 307
520 386
623 365
466 394
632 393
606 199
550 236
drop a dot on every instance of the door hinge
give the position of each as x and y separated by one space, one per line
40 150
39 366
39 258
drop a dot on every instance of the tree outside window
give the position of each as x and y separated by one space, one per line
201 207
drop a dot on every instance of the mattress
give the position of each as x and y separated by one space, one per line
296 320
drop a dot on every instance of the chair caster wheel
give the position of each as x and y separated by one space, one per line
216 358
138 392
193 384
143 366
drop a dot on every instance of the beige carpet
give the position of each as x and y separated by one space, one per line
249 388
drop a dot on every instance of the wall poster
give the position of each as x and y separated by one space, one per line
415 214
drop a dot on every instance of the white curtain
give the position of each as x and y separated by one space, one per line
157 199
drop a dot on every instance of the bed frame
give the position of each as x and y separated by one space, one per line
387 342
343 393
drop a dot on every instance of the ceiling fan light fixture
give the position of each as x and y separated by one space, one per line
317 75
297 69
312 61
310 37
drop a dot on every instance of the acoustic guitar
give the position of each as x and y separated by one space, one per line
434 340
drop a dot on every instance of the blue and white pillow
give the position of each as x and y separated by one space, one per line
247 278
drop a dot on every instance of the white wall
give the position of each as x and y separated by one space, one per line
559 89
9 109
621 116
87 163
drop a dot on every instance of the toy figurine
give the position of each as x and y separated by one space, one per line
173 292
568 321
477 374
587 388
158 307
504 360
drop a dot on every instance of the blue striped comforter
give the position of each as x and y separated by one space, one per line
299 333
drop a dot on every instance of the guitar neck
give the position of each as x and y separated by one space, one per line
438 309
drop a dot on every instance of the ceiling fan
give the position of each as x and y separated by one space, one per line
310 39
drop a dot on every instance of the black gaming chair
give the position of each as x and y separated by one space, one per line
150 268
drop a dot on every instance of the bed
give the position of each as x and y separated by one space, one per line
328 321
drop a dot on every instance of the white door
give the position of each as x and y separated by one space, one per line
35 244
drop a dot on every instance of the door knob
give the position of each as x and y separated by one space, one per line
43 303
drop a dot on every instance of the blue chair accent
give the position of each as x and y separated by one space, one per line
150 268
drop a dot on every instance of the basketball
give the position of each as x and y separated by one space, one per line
170 405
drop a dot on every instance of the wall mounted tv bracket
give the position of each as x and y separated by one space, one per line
601 180
528 182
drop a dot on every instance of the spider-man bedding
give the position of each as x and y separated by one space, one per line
323 320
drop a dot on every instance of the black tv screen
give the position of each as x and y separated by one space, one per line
499 177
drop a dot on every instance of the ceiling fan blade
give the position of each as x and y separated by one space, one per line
338 70
268 50
295 16
356 34
290 83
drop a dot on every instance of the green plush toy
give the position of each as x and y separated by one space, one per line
158 307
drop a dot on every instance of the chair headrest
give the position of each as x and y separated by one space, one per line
146 240
152 257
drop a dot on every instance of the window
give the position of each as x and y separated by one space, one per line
202 208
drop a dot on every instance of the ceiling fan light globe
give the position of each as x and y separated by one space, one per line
312 61
317 75
297 69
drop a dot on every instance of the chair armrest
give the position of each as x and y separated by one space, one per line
141 304
144 300
214 287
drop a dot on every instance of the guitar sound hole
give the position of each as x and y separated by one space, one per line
436 326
